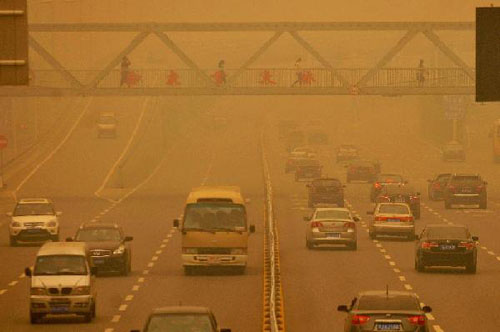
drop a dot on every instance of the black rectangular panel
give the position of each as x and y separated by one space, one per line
487 54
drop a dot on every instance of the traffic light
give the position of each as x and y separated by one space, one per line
487 54
13 42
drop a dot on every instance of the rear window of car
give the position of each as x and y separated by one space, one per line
466 178
396 209
326 183
447 233
391 302
388 178
332 214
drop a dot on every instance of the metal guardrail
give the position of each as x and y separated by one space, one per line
264 78
274 316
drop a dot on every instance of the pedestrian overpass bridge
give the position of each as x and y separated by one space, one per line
247 80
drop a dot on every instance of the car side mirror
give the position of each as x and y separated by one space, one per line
475 238
369 212
93 270
355 219
9 214
58 213
176 223
128 238
225 330
27 272
343 308
417 237
69 239
426 309
252 228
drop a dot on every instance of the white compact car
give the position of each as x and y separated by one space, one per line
33 220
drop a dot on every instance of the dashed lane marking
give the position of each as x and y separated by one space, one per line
145 272
162 246
430 316
129 297
382 250
13 283
408 287
141 279
391 263
135 288
402 278
2 291
123 307
491 253
109 330
387 256
154 258
115 319
437 328
151 264
158 252
397 270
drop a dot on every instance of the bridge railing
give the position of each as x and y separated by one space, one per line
262 78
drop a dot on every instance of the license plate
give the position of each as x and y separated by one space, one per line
333 235
98 261
467 190
399 200
388 326
213 259
33 230
447 247
393 220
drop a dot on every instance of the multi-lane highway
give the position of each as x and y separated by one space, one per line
165 147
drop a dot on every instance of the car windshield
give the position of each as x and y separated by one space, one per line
332 214
326 183
447 233
388 178
393 209
33 209
215 216
60 265
391 302
180 323
98 235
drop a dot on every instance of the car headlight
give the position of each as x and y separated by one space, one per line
119 251
238 251
51 224
16 224
37 291
81 290
190 250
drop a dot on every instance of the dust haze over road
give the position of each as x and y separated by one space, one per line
166 145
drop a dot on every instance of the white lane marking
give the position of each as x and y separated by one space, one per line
402 278
491 253
2 291
408 287
375 241
169 236
129 297
430 317
53 152
145 272
141 279
378 245
437 328
135 288
383 250
158 252
94 220
387 256
125 150
391 263
109 329
13 283
151 264
484 248
154 258
498 258
116 318
397 270
123 307
22 275
165 240
445 220
162 246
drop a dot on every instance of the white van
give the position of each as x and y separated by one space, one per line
62 282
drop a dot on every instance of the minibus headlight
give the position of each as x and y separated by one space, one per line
81 290
37 291
119 251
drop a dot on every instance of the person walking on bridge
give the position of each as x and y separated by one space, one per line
421 74
124 70
298 72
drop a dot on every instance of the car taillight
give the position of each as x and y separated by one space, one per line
409 218
417 320
451 188
360 319
436 185
350 224
378 218
467 245
384 199
428 245
414 198
316 224
479 188
377 185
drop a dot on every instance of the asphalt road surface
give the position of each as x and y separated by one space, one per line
81 177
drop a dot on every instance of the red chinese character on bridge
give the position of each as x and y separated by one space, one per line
173 78
219 77
133 78
307 77
267 78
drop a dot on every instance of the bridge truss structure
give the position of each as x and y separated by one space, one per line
245 80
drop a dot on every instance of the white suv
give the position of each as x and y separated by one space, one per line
33 220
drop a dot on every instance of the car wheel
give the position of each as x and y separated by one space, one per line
309 244
411 237
372 235
87 317
340 203
35 318
13 241
419 266
353 246
417 214
55 238
471 268
447 204
188 270
240 270
483 203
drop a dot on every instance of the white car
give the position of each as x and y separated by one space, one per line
33 220
392 219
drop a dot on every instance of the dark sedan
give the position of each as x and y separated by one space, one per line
362 170
446 245
385 311
108 247
307 169
401 194
382 180
437 185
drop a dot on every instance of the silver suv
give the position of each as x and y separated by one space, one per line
33 220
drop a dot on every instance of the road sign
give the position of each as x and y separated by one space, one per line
3 142
454 107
